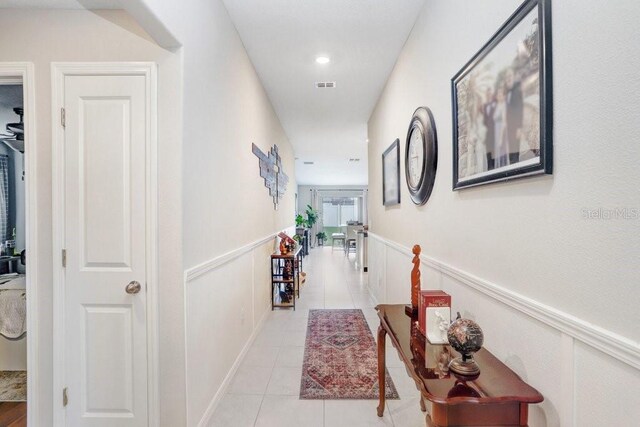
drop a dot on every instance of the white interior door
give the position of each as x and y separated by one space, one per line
105 352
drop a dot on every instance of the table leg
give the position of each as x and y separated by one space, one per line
524 414
382 335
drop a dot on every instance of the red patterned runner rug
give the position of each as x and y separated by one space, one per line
340 358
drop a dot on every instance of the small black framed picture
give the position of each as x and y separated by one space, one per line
391 174
502 103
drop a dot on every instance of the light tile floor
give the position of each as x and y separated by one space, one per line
265 389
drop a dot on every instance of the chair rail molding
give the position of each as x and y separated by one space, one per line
201 269
608 342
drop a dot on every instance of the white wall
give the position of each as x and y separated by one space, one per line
549 287
43 37
211 84
226 207
225 110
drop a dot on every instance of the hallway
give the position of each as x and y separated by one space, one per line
157 156
264 391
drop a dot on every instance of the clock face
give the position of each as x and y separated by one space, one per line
421 155
416 157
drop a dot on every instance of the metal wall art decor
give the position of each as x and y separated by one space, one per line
391 174
421 155
271 170
502 103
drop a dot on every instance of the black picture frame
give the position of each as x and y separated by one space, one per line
510 151
391 174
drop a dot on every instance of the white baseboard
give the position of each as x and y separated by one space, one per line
608 342
211 408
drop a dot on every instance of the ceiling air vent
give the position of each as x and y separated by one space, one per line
354 160
325 85
308 163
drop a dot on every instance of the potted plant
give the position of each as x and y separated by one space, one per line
312 216
301 224
320 237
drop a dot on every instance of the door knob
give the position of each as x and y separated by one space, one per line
133 287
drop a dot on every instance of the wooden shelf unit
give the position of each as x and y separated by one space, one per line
285 278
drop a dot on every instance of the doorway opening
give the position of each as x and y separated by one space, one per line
17 297
339 213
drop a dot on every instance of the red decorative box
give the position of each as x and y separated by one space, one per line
430 298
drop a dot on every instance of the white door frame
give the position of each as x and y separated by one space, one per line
58 72
23 73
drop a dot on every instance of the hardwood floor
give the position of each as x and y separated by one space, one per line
13 414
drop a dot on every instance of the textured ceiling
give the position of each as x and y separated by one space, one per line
363 38
283 37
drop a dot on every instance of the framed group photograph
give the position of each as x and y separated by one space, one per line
502 103
391 174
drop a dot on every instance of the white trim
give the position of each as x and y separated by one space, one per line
153 267
608 342
58 232
58 72
194 272
213 404
9 80
185 344
23 73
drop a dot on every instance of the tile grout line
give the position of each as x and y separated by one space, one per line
259 409
266 388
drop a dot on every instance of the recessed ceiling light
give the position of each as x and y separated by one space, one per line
323 60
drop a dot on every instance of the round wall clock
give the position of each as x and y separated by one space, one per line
421 155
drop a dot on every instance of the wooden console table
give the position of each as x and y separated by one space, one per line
497 397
